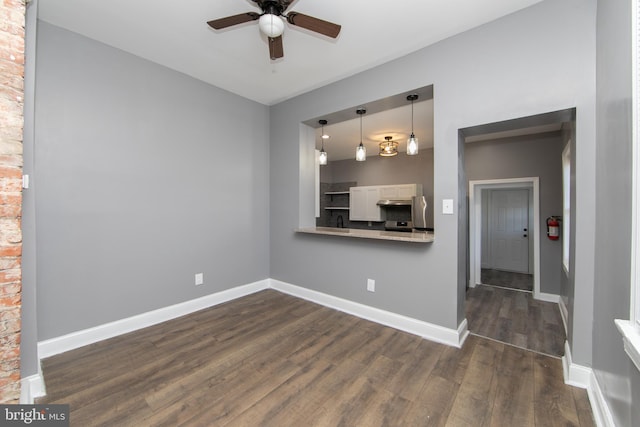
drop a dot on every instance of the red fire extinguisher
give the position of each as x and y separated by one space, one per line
553 227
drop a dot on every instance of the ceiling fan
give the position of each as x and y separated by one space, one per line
272 24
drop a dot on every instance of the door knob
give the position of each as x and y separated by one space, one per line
524 235
524 229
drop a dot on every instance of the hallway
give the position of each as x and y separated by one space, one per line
512 316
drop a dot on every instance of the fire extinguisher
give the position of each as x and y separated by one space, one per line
553 227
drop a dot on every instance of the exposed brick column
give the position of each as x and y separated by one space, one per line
12 18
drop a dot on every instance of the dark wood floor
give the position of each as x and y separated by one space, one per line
514 317
507 279
270 359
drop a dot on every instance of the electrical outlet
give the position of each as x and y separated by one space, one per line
371 285
199 279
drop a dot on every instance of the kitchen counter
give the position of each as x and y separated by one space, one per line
415 236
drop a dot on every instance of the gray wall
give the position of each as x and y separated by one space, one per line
617 376
513 67
527 156
145 177
29 338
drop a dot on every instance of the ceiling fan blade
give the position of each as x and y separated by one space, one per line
327 28
229 21
275 47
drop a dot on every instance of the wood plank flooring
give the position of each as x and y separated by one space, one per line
270 359
514 317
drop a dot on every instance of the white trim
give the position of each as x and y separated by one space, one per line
475 225
440 334
564 313
599 407
584 377
631 329
84 337
78 339
631 340
566 206
543 296
575 375
31 388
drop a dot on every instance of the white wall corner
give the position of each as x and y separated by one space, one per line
32 387
84 337
575 375
429 331
584 377
564 314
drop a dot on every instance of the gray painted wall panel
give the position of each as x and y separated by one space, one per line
29 362
618 378
145 177
513 67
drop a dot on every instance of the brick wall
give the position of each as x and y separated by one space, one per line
12 15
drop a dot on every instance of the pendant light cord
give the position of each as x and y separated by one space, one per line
412 117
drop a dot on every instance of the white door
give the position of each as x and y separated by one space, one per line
509 230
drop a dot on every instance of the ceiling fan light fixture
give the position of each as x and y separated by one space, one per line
271 25
361 150
412 142
388 148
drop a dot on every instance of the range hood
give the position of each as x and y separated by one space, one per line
395 202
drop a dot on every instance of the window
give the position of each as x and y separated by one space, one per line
566 204
631 329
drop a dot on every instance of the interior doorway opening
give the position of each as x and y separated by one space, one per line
478 193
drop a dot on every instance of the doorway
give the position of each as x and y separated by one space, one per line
507 245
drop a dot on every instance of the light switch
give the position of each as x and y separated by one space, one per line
447 206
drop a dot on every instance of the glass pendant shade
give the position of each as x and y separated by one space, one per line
271 25
361 153
412 145
323 158
412 142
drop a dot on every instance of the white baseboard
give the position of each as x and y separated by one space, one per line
542 296
451 337
32 387
584 377
78 339
601 412
575 375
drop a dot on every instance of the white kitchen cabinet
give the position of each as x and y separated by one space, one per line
363 204
402 191
363 201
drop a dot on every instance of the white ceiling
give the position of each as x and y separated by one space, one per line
175 34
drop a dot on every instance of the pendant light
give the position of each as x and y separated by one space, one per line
361 151
412 142
388 148
323 154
